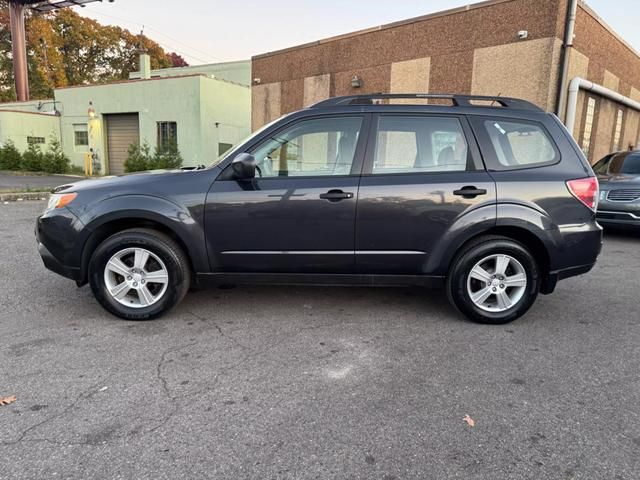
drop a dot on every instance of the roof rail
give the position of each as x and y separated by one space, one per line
456 100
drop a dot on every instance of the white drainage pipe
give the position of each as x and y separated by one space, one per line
580 83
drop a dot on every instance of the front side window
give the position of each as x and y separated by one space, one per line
625 163
316 147
520 144
420 144
602 167
167 135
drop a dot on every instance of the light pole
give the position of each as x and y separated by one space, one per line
18 36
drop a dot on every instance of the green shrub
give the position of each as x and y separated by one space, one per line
10 157
167 156
55 161
139 158
32 158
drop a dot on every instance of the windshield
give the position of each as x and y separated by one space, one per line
233 151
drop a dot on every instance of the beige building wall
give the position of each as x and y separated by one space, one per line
411 76
521 69
266 101
316 89
578 67
603 134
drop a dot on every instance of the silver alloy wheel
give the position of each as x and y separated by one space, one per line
136 277
497 283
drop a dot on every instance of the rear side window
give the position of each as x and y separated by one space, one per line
407 144
520 144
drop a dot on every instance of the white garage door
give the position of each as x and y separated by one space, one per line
122 131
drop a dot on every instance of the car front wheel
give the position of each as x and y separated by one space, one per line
495 280
139 274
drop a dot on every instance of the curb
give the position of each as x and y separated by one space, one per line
22 197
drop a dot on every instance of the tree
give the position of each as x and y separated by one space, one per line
32 158
64 48
177 60
166 156
10 157
139 158
55 161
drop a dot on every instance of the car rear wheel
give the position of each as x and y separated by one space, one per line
139 274
494 280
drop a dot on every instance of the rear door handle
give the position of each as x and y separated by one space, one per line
470 192
336 195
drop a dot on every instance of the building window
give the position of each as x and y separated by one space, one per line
80 135
224 148
588 126
36 140
167 134
618 132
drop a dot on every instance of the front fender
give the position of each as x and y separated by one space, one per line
186 223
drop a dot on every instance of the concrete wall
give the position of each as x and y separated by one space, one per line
17 126
225 116
527 70
196 103
603 57
472 49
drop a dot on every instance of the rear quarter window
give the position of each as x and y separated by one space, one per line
518 144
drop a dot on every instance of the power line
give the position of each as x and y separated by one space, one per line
159 32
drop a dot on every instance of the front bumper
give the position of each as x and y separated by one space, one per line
59 235
53 264
611 218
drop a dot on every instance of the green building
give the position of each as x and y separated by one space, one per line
204 109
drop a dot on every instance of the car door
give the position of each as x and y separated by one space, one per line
298 214
422 174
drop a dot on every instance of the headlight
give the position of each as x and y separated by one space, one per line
59 200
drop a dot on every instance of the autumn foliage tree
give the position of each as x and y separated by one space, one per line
64 48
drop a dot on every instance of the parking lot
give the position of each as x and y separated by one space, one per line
293 382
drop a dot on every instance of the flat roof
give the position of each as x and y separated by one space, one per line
152 79
2 110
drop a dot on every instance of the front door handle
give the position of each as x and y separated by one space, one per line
470 192
336 195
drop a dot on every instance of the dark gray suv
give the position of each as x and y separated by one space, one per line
487 197
619 177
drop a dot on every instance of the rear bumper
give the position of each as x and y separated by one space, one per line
581 247
554 277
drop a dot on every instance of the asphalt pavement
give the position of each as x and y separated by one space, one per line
322 383
10 182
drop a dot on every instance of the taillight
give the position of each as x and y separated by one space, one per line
585 190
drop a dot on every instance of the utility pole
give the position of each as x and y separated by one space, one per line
18 36
19 49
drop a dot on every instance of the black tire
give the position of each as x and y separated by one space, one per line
473 253
165 248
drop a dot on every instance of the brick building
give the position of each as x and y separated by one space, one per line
513 48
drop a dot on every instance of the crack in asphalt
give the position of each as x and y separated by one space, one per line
86 394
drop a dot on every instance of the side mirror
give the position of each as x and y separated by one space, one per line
244 166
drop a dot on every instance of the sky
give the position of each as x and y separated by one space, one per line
208 31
